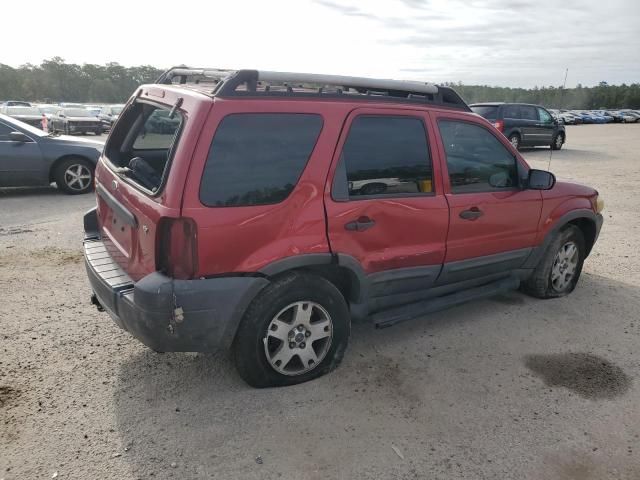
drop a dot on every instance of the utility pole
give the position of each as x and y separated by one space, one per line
564 84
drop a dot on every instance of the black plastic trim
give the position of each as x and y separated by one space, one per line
389 317
117 207
538 252
90 221
482 266
297 261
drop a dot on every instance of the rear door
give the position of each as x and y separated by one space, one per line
534 133
384 201
493 220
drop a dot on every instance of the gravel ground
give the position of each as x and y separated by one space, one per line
510 387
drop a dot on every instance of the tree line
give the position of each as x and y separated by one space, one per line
55 80
588 98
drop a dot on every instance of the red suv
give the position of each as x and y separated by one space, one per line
264 211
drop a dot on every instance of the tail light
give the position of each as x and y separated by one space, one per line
499 124
177 252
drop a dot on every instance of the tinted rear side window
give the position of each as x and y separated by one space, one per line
490 112
528 113
257 158
387 155
511 111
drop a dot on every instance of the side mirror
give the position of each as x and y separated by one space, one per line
540 180
61 115
18 137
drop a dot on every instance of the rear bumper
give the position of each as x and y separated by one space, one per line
170 315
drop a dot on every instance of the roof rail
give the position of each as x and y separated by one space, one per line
229 83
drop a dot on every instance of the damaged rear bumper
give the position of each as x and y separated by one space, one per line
170 315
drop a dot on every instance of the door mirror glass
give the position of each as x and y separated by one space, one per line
541 180
18 137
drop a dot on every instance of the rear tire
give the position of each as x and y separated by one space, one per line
267 351
74 175
557 142
557 273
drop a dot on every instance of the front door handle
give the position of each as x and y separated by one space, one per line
360 225
472 214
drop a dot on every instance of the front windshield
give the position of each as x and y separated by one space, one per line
22 111
77 112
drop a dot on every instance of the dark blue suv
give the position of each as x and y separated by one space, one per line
523 124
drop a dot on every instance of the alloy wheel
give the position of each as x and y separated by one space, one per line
559 141
77 177
298 338
564 266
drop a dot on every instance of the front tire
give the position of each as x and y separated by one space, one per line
557 142
295 330
514 139
559 269
74 175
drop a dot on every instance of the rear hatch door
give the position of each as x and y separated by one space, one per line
140 177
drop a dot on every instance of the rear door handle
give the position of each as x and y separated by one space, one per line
472 214
360 225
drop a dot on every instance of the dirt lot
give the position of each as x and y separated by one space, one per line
505 388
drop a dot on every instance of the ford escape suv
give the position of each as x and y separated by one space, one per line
523 124
263 211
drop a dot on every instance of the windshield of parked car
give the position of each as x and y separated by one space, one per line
77 112
22 111
490 112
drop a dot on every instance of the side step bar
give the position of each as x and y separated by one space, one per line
387 318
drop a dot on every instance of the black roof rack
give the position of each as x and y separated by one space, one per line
252 83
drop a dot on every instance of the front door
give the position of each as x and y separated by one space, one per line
494 221
384 200
21 163
546 126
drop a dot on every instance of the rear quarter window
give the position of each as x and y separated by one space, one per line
257 158
490 112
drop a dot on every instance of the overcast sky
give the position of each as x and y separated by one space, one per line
509 43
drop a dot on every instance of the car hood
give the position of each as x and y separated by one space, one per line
573 188
27 117
69 140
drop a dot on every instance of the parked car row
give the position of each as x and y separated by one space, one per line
577 117
64 117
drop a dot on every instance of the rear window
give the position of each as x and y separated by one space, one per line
490 112
257 158
142 143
